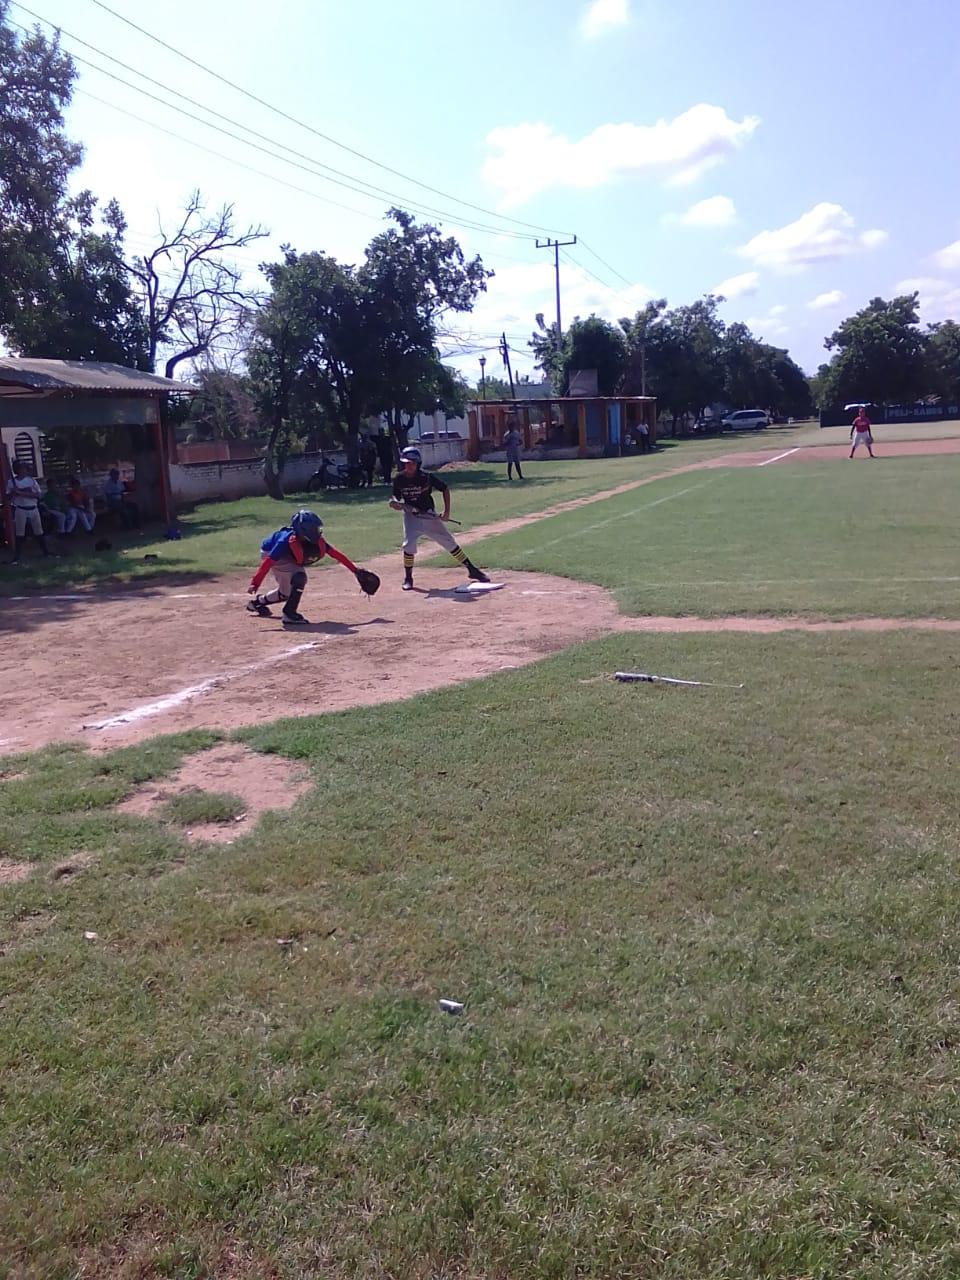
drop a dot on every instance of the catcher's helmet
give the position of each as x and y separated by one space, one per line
410 455
307 524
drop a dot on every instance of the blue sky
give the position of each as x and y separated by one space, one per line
791 156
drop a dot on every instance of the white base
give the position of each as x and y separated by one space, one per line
474 588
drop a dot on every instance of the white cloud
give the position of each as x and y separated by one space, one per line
527 159
939 299
602 16
515 295
948 258
778 310
832 298
766 327
738 286
715 211
824 233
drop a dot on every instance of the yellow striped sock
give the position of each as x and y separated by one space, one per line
407 561
459 555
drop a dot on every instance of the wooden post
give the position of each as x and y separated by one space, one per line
582 428
473 449
526 427
5 478
160 439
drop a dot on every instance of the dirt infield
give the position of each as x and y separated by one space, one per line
112 668
172 660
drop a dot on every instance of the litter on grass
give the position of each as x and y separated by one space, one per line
641 677
451 1006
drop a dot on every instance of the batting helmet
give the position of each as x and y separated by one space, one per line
410 455
307 525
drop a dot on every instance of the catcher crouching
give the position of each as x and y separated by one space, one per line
285 553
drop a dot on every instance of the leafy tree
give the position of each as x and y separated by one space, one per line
36 160
587 344
757 374
639 335
341 343
943 350
880 355
224 408
62 293
684 358
492 388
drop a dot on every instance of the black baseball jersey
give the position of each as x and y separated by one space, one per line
417 491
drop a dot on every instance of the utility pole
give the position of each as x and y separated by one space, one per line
556 246
505 352
483 377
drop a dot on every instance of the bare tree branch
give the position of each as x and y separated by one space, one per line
194 299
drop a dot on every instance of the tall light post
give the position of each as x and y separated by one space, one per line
483 378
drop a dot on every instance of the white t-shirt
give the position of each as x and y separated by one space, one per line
24 493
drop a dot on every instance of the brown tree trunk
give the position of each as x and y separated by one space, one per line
271 479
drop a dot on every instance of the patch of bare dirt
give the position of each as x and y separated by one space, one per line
71 866
13 872
263 782
23 929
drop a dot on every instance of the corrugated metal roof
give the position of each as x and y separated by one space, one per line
84 375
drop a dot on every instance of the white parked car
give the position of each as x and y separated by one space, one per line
746 420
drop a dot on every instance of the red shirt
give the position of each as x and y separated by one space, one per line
861 422
297 554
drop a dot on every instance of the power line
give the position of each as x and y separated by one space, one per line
575 262
375 193
603 262
310 128
260 173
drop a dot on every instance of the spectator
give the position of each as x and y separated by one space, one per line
368 459
643 435
23 494
53 505
79 508
385 453
116 494
512 440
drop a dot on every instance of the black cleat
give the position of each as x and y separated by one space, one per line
407 584
292 619
476 575
260 609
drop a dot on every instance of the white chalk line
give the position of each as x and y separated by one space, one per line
785 454
624 515
177 699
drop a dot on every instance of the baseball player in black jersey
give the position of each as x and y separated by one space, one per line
413 490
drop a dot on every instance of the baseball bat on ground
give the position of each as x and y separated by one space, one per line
637 677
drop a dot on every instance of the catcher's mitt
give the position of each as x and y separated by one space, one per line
369 582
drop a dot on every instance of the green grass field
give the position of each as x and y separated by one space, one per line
817 538
706 940
222 537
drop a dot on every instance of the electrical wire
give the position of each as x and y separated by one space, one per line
311 129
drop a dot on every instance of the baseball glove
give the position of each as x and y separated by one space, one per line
369 582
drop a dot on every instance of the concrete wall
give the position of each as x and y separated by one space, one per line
223 481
